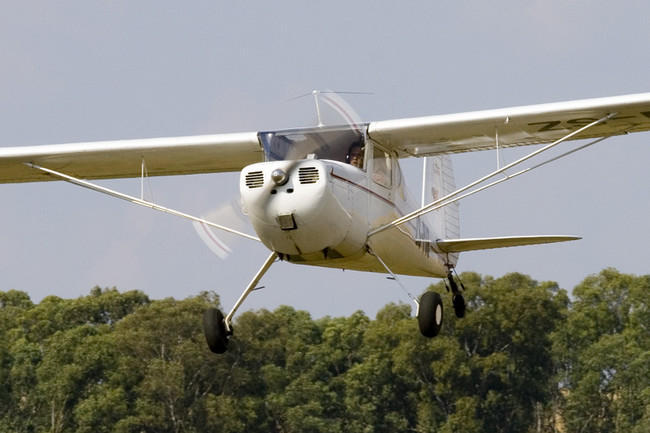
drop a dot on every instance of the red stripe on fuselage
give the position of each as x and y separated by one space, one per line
363 188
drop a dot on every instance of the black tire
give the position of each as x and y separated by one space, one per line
430 314
214 328
459 305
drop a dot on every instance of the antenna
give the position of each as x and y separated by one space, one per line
316 93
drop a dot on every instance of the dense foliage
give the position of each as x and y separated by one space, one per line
525 359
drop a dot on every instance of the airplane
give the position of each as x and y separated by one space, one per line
335 195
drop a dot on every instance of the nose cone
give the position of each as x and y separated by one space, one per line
292 207
279 177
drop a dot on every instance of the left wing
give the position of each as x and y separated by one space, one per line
125 158
518 126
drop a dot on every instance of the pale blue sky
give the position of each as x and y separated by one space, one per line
82 71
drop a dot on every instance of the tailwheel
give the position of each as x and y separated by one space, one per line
459 305
430 314
214 328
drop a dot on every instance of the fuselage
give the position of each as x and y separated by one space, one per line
318 209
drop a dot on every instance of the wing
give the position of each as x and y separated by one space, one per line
519 126
454 133
124 158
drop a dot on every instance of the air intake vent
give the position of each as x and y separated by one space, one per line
255 179
308 175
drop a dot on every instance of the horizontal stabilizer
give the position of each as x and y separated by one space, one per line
461 245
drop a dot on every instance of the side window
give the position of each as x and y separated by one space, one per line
381 167
398 180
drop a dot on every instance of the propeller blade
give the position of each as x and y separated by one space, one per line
221 242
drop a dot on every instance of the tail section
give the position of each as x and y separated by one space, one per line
460 245
438 181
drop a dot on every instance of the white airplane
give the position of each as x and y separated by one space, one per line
335 196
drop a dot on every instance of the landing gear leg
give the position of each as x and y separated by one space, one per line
429 307
218 329
457 297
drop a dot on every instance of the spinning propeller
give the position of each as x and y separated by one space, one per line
229 214
331 109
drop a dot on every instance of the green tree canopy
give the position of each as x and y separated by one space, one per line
603 354
526 358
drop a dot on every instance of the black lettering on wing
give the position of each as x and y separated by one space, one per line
547 126
579 123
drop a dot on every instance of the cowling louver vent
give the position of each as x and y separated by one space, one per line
255 179
308 175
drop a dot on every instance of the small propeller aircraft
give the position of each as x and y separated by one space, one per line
335 195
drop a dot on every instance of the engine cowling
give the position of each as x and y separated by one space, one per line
295 212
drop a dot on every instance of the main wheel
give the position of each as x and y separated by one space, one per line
214 328
430 314
459 305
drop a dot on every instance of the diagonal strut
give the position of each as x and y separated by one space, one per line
454 195
138 201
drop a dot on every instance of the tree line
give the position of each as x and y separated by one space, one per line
526 358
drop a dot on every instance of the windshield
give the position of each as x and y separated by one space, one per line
334 143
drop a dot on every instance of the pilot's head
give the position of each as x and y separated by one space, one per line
355 155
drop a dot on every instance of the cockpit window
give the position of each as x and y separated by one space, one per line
334 143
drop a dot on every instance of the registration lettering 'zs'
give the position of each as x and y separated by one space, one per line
558 125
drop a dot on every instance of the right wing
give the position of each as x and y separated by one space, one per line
125 158
517 126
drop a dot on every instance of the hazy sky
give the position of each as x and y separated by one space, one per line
82 71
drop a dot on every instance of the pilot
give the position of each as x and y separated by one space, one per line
355 155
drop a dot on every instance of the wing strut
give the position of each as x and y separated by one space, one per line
137 201
455 196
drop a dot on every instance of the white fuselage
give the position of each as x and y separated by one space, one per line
323 213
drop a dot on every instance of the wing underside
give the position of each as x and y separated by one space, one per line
510 127
128 158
